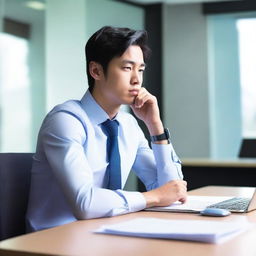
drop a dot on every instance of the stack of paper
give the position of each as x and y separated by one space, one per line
193 230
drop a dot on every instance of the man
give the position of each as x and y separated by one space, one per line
75 174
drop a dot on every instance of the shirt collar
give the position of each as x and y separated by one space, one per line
94 111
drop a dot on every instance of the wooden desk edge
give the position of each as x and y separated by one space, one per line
208 162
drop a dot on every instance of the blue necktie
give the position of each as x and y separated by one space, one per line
113 174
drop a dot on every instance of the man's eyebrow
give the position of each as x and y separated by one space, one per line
133 63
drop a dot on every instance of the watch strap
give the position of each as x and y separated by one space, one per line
163 136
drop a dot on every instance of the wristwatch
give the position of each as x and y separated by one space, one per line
163 136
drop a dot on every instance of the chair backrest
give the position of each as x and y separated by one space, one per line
248 148
14 191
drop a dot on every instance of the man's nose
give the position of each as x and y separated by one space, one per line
136 78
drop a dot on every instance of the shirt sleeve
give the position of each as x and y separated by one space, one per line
158 165
63 139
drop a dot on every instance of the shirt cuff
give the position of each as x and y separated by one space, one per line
168 163
135 200
162 153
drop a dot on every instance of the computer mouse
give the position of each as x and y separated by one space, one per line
215 212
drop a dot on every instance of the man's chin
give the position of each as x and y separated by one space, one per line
129 101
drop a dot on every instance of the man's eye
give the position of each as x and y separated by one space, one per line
127 68
141 70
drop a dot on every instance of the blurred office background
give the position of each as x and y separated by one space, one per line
203 67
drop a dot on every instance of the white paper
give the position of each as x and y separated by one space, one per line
193 204
193 230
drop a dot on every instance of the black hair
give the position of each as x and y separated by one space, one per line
110 42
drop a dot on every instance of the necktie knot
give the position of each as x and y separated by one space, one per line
111 127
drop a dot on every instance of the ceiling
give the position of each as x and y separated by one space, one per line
176 1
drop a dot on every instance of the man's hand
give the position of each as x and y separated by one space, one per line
145 107
167 194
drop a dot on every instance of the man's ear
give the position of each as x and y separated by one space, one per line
96 70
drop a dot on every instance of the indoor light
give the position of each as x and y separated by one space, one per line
36 5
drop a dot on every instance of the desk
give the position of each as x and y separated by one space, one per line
225 172
77 238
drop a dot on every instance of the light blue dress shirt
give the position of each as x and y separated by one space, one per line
67 177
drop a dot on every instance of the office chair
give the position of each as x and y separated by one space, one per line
14 191
248 148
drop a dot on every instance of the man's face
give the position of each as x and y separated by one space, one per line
124 77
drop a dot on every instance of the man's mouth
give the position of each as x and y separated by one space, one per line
134 92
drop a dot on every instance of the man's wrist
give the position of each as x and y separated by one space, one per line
155 128
151 198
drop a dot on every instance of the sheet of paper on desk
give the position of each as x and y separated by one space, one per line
193 204
193 230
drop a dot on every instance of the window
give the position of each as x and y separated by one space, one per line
247 49
15 100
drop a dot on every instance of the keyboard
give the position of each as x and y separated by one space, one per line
233 204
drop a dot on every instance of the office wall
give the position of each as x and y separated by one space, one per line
106 12
185 78
65 63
